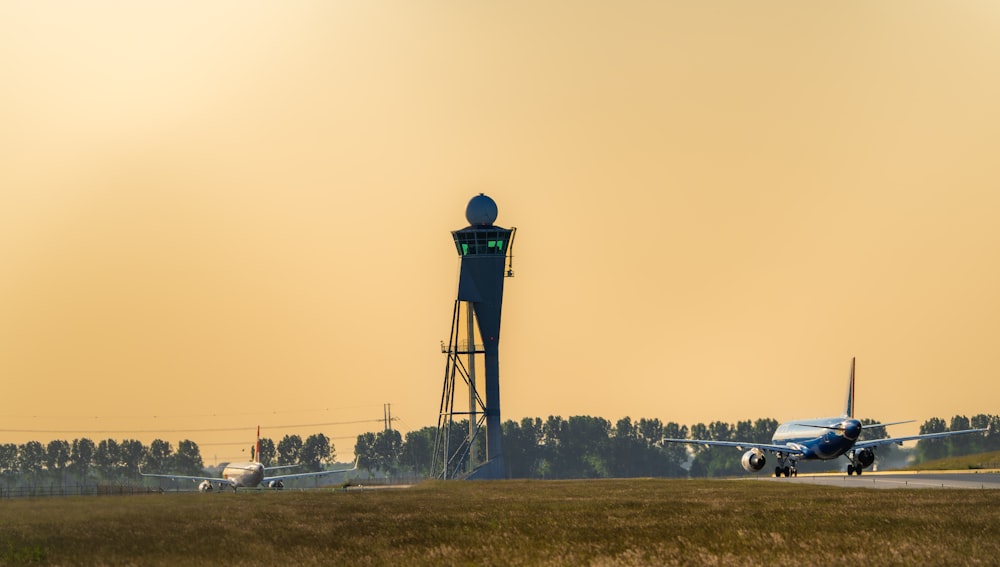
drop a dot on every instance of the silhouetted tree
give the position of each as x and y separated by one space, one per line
763 430
931 449
82 458
159 457
984 443
56 458
267 452
31 458
584 448
676 453
107 458
8 463
628 451
316 450
288 450
522 447
187 459
418 446
131 453
717 461
388 446
364 450
960 445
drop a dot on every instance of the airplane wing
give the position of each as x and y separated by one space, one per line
281 467
783 449
900 440
185 477
284 477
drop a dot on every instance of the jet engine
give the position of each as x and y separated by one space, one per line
276 484
865 457
205 486
753 460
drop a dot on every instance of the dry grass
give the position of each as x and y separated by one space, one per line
969 462
605 522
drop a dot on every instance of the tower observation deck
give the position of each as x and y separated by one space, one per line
484 252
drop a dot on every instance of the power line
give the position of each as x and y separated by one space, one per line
189 416
199 430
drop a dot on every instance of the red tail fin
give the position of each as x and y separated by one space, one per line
256 455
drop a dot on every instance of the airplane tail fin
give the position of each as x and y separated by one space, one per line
256 454
849 405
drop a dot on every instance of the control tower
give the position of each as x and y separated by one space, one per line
484 250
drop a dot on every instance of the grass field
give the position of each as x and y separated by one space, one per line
968 462
603 522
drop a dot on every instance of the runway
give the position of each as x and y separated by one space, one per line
969 480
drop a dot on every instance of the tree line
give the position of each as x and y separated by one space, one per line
556 448
84 461
591 447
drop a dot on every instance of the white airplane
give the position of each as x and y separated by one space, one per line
246 475
819 439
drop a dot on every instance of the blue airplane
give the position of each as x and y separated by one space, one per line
819 439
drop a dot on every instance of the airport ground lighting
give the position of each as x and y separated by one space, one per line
484 251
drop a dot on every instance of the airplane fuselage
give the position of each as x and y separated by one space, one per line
821 439
243 474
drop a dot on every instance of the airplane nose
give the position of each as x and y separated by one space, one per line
852 429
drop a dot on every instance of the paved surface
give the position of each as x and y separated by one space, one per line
981 480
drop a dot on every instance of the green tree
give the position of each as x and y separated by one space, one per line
159 457
763 430
131 454
744 430
8 463
522 447
584 448
107 459
57 458
717 461
675 453
316 450
31 459
388 446
364 450
418 447
629 456
698 431
187 459
267 452
82 458
984 443
552 448
931 449
658 457
288 450
960 445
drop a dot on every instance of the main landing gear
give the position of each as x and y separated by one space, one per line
858 460
785 468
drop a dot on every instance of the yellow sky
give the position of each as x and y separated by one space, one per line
221 214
